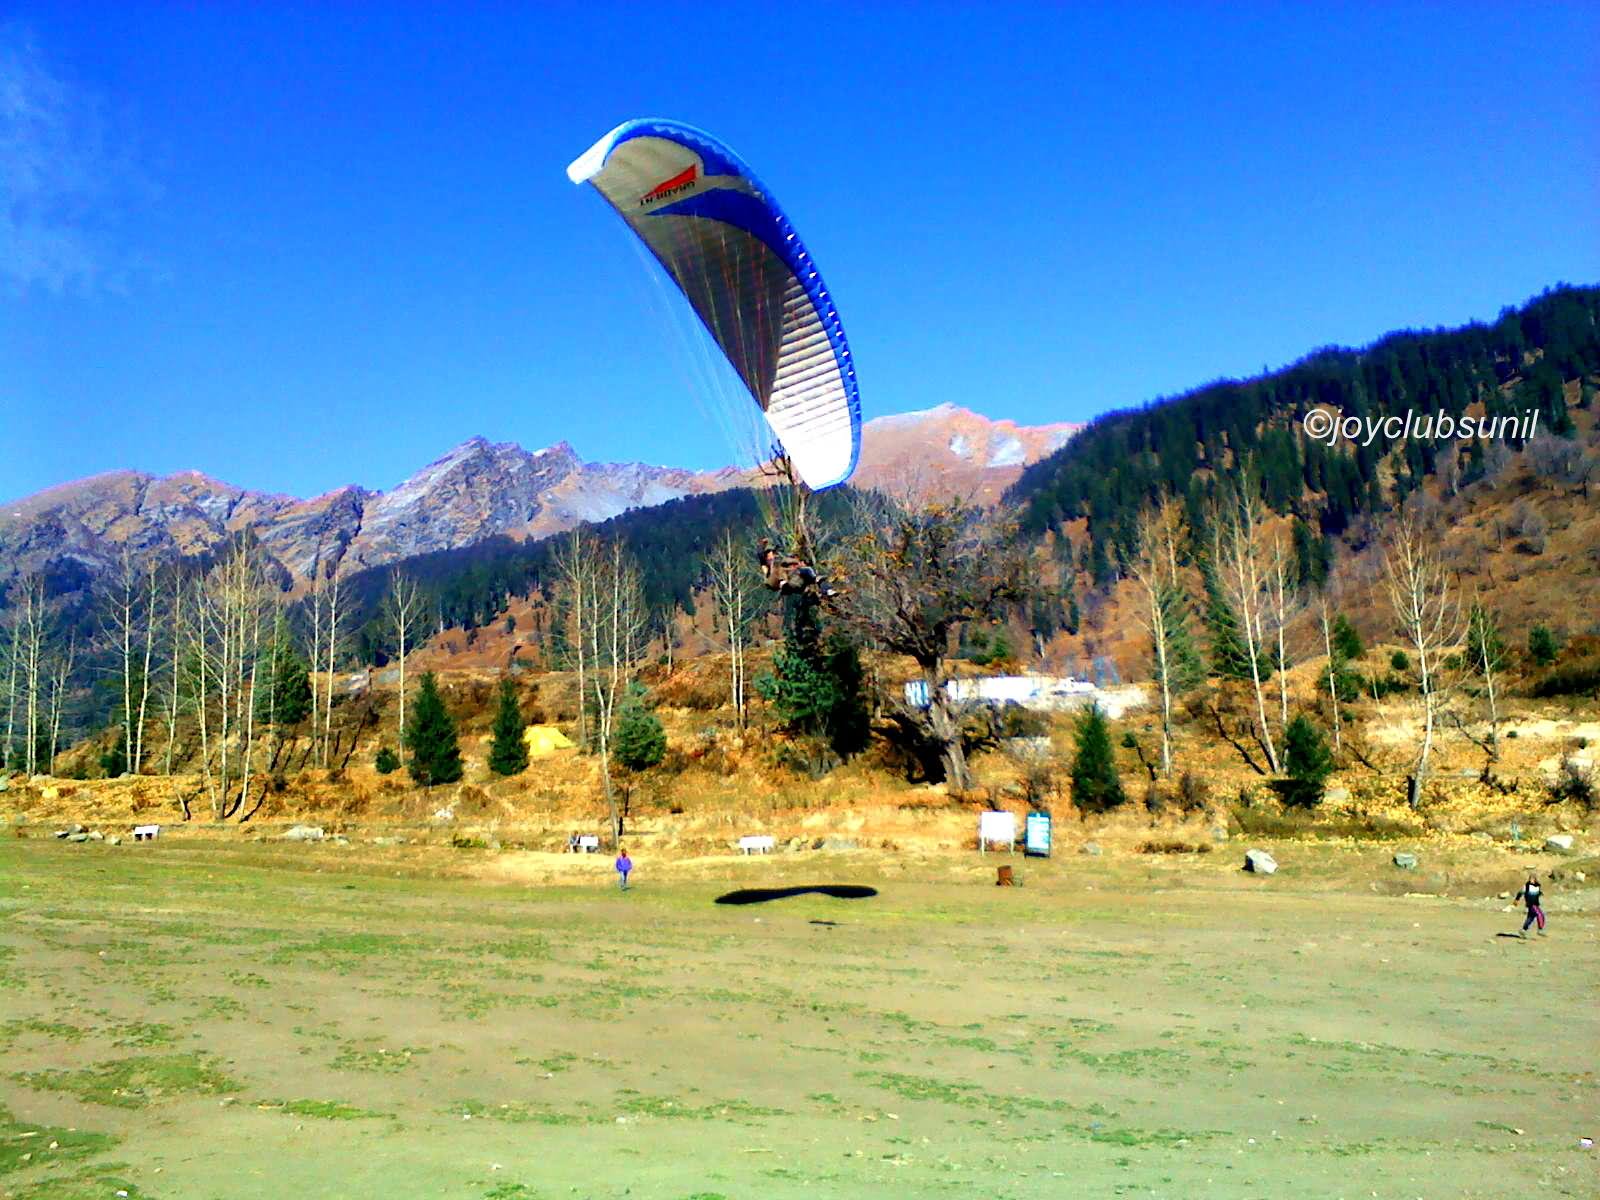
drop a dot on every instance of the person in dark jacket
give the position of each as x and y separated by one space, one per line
788 574
1533 896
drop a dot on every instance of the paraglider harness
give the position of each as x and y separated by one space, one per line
787 574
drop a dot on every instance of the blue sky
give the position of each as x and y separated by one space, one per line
301 247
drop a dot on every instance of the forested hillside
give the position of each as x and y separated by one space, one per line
1524 362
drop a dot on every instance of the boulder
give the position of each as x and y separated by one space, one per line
304 833
1336 795
1559 843
77 837
1259 862
113 840
1406 862
1089 848
838 843
96 836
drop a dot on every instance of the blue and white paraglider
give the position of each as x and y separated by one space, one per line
722 238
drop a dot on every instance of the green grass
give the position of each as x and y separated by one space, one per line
25 1145
135 1082
322 1110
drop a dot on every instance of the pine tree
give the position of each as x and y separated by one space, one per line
431 737
508 754
286 698
386 762
1346 641
1095 785
114 762
1542 645
641 742
1230 659
1307 763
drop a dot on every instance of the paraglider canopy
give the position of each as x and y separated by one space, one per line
727 245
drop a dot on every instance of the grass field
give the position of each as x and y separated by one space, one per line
268 1022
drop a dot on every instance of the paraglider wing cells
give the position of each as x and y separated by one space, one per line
731 250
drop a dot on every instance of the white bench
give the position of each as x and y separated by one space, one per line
760 844
145 833
588 843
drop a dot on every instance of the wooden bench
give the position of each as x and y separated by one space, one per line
146 833
758 844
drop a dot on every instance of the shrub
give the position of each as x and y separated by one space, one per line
1193 792
1399 661
387 761
1307 763
1542 645
1574 781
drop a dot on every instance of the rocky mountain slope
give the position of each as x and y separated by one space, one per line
76 532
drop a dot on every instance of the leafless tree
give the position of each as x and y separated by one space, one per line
59 682
733 585
1154 567
1325 621
1427 616
917 571
1282 600
576 563
130 628
233 604
32 631
179 612
618 626
1239 556
402 614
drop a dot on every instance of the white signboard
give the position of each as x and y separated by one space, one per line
995 828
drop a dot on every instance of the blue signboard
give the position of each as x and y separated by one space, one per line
1036 841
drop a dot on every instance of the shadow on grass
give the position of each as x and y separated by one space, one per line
839 891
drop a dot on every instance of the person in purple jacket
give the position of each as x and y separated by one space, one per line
624 865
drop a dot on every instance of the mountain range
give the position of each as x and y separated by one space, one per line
75 532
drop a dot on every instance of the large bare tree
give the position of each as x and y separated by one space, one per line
233 606
1427 617
1159 535
130 629
912 573
402 614
734 586
1240 559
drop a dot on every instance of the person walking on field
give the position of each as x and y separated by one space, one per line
624 865
1533 895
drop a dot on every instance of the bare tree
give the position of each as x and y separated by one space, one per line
331 644
1154 566
575 564
1239 558
31 637
1325 620
918 571
130 628
58 681
1282 598
178 636
232 605
1427 616
402 613
734 589
618 626
1486 655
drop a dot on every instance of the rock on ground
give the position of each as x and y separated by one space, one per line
1406 862
1089 848
1259 862
1559 843
304 833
